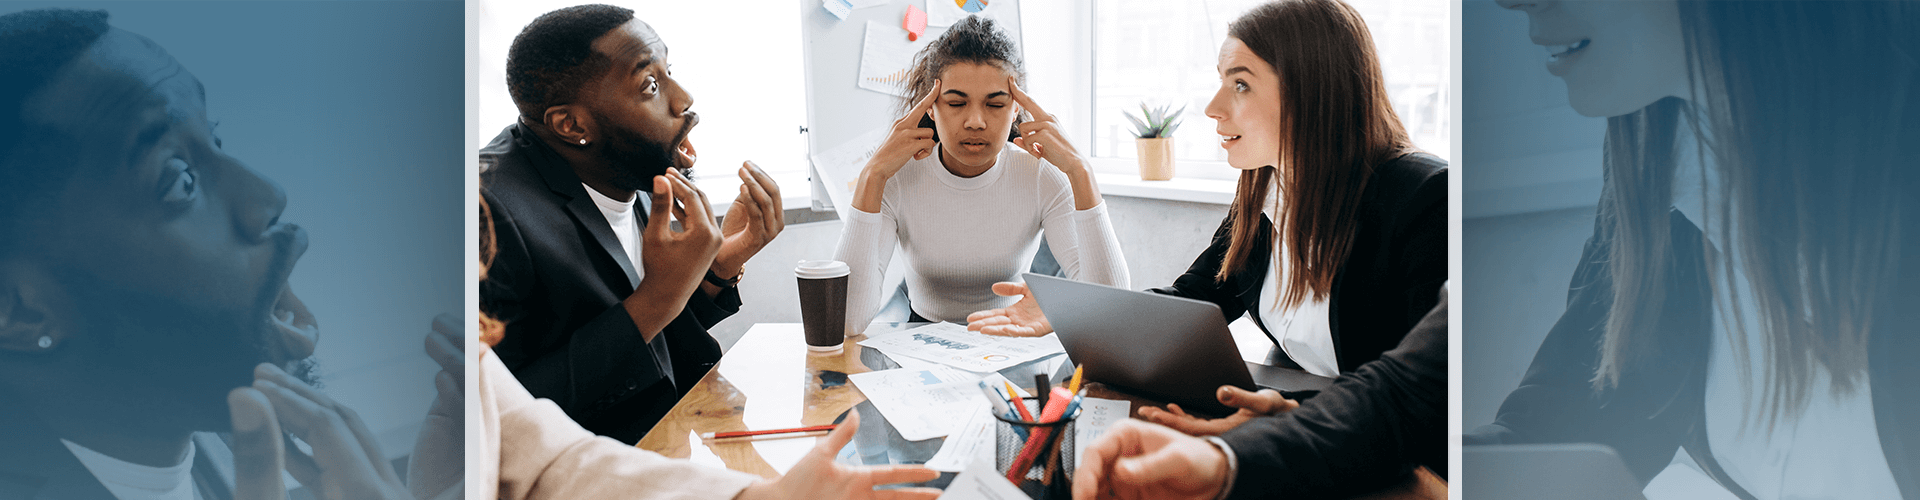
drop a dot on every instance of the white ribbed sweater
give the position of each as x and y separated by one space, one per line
961 235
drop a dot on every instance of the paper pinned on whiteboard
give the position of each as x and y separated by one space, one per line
861 4
943 13
839 8
885 57
838 167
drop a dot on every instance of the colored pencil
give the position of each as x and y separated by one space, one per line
766 437
739 434
1019 404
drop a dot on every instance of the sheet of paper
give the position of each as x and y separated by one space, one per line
952 344
973 441
943 13
885 57
922 404
839 166
839 8
981 482
1096 415
861 4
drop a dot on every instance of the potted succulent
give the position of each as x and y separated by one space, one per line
1153 136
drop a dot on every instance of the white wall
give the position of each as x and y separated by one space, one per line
1529 151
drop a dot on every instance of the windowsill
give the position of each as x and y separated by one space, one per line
1210 191
722 186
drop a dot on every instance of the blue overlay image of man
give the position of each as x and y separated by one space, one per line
150 343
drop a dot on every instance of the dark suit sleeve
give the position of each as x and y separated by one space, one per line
1198 282
710 310
598 364
1646 417
1364 433
1421 247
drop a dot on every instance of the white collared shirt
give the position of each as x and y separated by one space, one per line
1304 331
131 481
1830 449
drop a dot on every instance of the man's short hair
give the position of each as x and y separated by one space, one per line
34 44
553 56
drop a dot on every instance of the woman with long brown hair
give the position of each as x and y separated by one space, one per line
1336 239
1744 296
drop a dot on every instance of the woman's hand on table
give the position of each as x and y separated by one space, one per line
1022 319
817 476
1251 404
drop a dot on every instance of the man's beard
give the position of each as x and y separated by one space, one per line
182 359
636 160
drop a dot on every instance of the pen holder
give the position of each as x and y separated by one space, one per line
1049 472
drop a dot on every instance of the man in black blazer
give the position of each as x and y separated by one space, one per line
1369 430
606 306
144 297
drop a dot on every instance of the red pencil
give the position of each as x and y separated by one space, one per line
735 434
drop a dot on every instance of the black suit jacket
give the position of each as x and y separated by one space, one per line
1660 406
34 465
557 280
1364 433
1390 280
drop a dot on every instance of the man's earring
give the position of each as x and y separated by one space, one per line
46 342
583 142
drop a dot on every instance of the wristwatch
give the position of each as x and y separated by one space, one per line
724 283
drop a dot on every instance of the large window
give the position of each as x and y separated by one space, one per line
1161 52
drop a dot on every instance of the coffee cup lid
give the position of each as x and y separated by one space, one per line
821 269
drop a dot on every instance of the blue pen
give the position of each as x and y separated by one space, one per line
1074 405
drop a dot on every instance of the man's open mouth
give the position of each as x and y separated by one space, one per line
291 330
687 154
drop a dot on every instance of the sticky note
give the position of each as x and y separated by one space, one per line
839 8
915 23
974 6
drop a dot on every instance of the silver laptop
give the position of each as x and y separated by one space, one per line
1571 471
1158 346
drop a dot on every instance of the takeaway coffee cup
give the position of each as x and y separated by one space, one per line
823 303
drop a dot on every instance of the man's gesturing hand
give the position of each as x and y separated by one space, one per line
674 261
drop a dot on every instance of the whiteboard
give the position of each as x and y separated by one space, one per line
838 109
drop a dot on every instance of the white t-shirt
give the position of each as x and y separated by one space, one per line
625 220
963 234
131 481
1303 331
1832 449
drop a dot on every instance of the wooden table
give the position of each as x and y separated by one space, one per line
770 380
